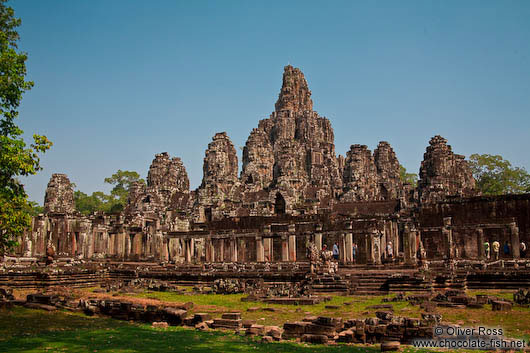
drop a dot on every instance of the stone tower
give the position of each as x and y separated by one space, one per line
59 196
443 173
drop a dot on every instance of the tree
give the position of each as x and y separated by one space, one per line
408 178
122 181
496 176
16 158
88 204
115 202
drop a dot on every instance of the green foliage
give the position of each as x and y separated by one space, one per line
408 178
16 158
496 176
122 181
113 203
34 209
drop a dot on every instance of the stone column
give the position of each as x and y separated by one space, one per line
292 242
318 237
207 249
221 249
409 244
349 242
368 256
342 248
192 250
377 247
233 249
285 248
187 250
514 237
267 245
267 253
349 247
480 239
165 249
74 244
447 232
260 251
211 247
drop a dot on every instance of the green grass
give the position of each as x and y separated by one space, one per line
216 304
24 330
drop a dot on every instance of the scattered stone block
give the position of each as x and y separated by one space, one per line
318 339
232 316
501 305
201 326
390 346
160 324
40 306
267 339
174 317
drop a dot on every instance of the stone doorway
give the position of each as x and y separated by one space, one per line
279 204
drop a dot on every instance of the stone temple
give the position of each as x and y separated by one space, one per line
293 190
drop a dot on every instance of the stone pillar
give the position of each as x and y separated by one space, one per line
285 248
447 233
267 246
74 244
514 238
192 250
221 249
409 244
349 247
187 250
377 247
368 256
165 250
233 249
207 250
260 251
342 248
292 242
349 242
212 250
267 251
480 239
318 237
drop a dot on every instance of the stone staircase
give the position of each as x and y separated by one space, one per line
327 283
369 283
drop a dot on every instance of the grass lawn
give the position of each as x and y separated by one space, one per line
516 323
25 330
216 304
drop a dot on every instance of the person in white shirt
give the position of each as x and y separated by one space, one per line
389 250
335 251
496 247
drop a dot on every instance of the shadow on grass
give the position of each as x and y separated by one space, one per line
71 333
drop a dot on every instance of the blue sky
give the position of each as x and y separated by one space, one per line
118 81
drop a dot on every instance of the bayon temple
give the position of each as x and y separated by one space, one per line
294 191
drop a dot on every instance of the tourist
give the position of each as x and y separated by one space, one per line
354 248
389 251
487 250
335 251
506 249
496 246
522 247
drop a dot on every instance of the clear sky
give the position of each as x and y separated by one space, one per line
118 81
